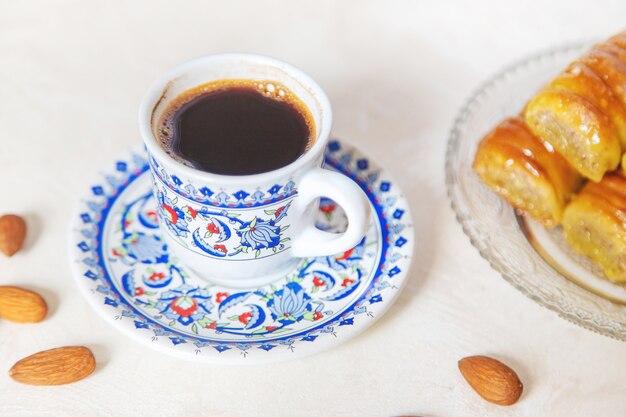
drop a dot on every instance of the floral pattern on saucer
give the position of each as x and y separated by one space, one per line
128 274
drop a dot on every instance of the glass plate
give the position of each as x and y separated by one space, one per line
535 261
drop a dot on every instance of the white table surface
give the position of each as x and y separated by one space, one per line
71 77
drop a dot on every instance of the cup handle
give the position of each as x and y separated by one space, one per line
309 240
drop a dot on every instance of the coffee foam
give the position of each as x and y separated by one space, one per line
164 128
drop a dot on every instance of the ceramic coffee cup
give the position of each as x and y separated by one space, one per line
247 230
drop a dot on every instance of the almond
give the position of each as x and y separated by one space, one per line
22 306
58 366
12 234
491 379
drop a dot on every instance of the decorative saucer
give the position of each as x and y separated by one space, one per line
127 274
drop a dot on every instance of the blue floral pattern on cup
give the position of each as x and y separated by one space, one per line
240 225
233 233
259 234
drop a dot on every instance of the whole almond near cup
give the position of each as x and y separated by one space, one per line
58 366
491 379
21 306
12 234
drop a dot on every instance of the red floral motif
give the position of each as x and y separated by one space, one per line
245 317
221 296
212 325
347 281
317 316
220 248
192 212
181 310
318 282
278 211
211 227
116 253
127 223
138 291
270 328
173 217
152 214
328 208
156 276
345 255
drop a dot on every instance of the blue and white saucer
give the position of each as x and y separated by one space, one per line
127 274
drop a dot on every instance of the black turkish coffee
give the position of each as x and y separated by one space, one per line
236 127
